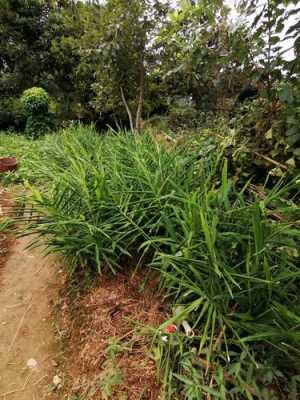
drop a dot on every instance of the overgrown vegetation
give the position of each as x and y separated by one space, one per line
196 178
227 254
26 151
117 63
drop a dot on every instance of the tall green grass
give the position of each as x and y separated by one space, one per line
228 258
24 150
35 157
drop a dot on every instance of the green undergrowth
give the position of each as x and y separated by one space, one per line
227 253
25 150
33 155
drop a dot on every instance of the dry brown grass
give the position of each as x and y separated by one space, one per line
104 316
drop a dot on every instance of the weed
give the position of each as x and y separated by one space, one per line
115 347
227 256
110 378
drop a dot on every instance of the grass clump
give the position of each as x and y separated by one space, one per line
41 159
228 255
25 150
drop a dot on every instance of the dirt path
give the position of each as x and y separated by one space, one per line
28 282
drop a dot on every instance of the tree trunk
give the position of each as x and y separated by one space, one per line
127 110
138 120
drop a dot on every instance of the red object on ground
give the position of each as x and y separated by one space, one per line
171 328
8 164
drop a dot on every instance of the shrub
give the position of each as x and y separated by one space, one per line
12 116
39 124
289 120
228 256
271 129
184 117
35 102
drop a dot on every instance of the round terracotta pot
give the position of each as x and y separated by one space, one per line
8 164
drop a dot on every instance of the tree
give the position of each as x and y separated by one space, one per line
120 48
269 35
204 56
272 24
22 44
39 46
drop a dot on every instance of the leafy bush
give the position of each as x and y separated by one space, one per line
228 256
271 128
184 117
35 102
37 125
12 116
289 119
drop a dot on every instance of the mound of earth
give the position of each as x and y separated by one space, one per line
106 357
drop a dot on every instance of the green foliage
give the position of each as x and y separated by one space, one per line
27 151
272 129
35 101
183 117
289 118
227 251
12 115
228 257
202 54
22 44
271 123
122 57
86 54
37 125
223 271
270 32
39 46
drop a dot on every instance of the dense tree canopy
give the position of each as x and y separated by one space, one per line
117 62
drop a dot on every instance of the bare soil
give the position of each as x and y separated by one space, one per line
28 283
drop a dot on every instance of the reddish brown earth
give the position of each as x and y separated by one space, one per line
106 315
28 283
6 241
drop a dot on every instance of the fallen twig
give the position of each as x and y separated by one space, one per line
17 390
19 328
270 160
